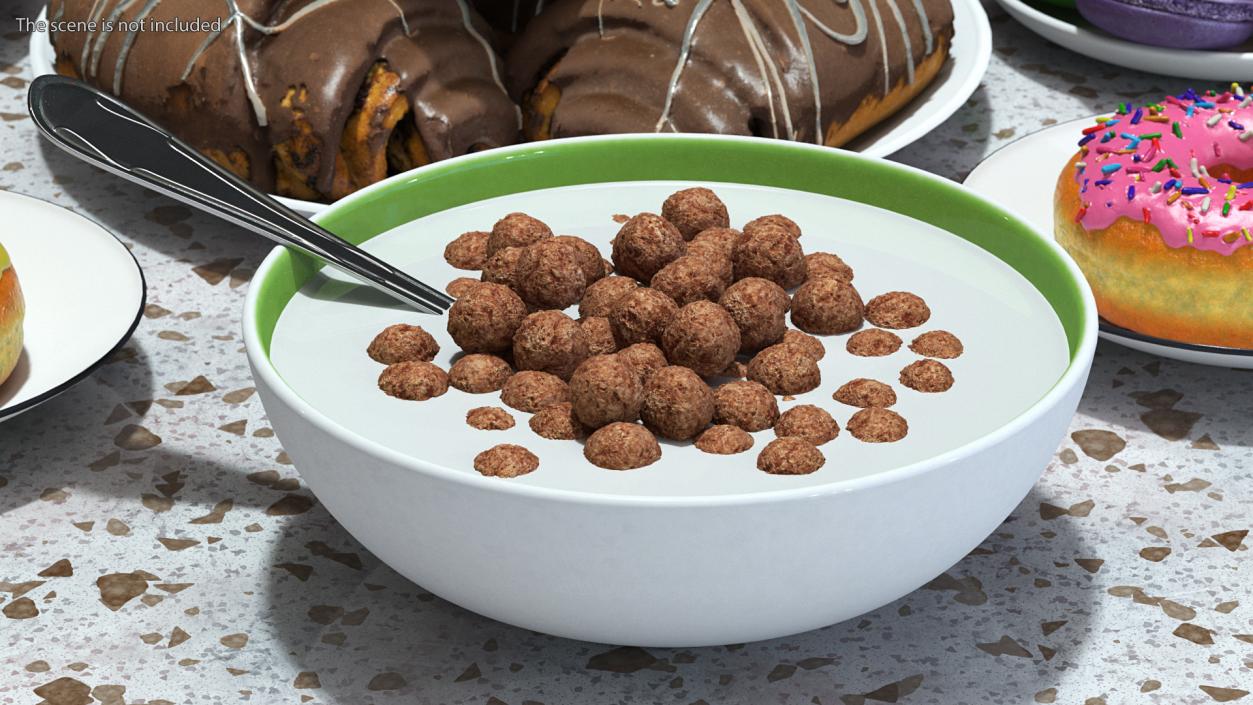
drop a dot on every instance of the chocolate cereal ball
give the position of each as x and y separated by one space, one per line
550 275
677 403
402 342
590 261
557 423
413 380
724 439
827 306
505 460
687 279
516 230
503 267
784 370
807 421
825 264
695 209
897 309
549 341
468 251
703 336
770 253
714 259
746 405
644 358
805 343
759 308
875 425
873 342
489 418
532 391
642 316
460 286
938 343
773 221
605 389
622 446
865 393
790 456
485 319
599 335
717 240
600 297
644 245
927 376
477 373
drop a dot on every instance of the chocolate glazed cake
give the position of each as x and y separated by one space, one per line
810 70
309 98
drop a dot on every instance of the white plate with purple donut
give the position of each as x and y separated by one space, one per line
1065 27
1022 177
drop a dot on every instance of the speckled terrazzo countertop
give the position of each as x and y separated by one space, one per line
156 546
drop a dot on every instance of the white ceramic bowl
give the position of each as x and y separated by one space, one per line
694 568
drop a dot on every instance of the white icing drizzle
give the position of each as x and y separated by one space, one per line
811 63
93 16
491 55
98 40
119 67
250 84
769 72
857 36
883 46
102 38
926 26
909 49
200 50
310 9
685 50
799 14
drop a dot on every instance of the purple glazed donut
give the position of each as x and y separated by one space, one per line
1178 24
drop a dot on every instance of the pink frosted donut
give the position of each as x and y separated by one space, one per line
1157 209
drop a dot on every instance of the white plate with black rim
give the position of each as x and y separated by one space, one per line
84 295
957 80
1065 27
1022 175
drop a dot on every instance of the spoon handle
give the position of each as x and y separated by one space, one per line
101 130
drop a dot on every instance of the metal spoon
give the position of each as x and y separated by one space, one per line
101 130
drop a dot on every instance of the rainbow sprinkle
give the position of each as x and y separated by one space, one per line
1133 161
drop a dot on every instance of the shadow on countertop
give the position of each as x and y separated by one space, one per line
981 632
1140 392
44 447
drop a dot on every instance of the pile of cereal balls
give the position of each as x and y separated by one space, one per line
683 335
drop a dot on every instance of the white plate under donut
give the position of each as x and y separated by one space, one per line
969 56
1066 28
1021 177
84 295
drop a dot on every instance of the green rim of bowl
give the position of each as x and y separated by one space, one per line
685 158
